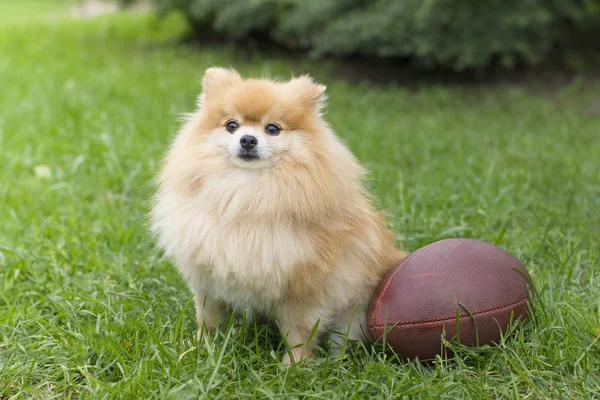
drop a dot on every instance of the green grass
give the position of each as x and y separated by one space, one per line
20 11
89 309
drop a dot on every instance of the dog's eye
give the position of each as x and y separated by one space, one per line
231 126
272 129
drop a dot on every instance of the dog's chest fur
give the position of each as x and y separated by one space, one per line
247 264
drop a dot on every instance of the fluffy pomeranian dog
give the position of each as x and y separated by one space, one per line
262 208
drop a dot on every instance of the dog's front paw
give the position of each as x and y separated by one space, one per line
297 355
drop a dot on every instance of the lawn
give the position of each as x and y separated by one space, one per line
24 11
90 309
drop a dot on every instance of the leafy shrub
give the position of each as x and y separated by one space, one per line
458 34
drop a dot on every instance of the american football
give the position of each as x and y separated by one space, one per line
419 298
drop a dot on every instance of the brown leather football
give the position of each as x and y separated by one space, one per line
421 295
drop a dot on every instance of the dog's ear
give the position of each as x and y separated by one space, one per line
310 93
216 79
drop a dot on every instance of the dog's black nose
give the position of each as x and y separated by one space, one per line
248 142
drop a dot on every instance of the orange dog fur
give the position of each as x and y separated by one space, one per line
285 229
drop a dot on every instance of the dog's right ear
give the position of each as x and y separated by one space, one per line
310 93
216 79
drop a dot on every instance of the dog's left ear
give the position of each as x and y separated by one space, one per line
310 93
217 79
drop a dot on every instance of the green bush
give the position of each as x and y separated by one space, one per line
457 34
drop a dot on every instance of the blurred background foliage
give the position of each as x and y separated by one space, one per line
458 35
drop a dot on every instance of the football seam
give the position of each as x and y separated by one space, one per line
443 319
393 278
